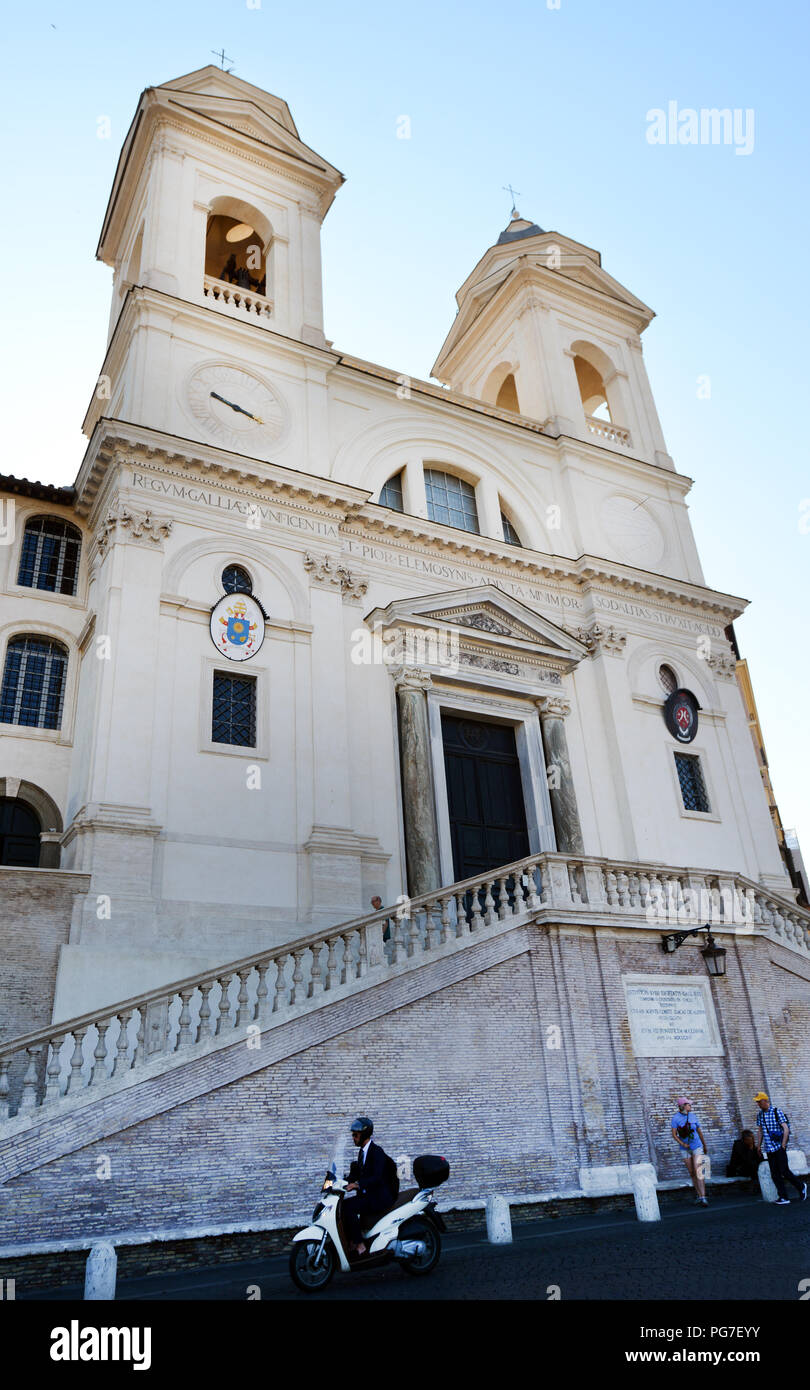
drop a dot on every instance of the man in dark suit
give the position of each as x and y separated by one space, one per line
369 1182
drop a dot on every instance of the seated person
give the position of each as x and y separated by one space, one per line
745 1159
370 1181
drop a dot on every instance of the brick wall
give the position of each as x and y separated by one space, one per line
34 923
471 1071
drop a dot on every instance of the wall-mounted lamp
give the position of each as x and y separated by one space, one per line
713 955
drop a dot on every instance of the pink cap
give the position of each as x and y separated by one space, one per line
683 1101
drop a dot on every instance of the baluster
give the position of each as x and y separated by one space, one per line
184 1026
503 900
362 953
533 899
315 973
99 1053
489 903
349 962
461 915
5 1067
413 931
224 1012
77 1060
610 888
428 938
644 890
243 1013
634 890
281 994
122 1046
477 920
205 1030
397 942
622 883
261 989
331 964
140 1040
54 1068
445 920
298 992
28 1099
521 894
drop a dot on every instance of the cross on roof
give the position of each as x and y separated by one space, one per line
513 194
223 58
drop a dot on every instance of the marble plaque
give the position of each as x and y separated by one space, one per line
672 1016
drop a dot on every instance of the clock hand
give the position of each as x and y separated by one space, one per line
240 408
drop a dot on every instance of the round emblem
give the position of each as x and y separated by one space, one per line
237 626
681 715
474 735
235 407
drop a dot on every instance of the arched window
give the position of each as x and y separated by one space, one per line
668 679
450 500
236 580
33 689
592 390
19 834
49 557
510 535
507 397
234 252
391 494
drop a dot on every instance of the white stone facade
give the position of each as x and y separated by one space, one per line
201 851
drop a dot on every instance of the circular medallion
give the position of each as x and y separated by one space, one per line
681 715
236 408
237 626
474 735
634 534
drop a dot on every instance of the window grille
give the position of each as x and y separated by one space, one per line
234 710
234 578
33 689
450 500
49 556
391 494
693 787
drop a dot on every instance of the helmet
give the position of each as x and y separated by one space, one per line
363 1127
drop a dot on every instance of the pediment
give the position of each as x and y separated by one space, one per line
491 629
269 123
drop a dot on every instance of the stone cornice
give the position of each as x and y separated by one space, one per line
117 441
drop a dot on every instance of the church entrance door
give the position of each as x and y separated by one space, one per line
485 795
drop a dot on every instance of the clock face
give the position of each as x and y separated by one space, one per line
236 409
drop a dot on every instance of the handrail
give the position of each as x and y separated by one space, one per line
573 886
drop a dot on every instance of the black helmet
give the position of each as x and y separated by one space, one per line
364 1127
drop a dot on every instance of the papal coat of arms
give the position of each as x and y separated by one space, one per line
237 626
681 715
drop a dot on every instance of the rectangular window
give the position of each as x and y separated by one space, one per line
693 787
234 710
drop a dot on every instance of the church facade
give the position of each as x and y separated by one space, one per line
305 631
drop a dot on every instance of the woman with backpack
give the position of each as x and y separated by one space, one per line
688 1136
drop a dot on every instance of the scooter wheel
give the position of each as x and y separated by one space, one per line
426 1232
307 1274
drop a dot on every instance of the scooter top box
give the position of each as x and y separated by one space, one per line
430 1170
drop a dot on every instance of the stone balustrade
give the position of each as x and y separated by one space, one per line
238 301
40 1068
612 434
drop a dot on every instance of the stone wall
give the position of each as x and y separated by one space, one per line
34 923
471 1070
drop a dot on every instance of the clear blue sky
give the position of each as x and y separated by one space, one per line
553 101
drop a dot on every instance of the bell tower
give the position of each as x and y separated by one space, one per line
216 206
544 331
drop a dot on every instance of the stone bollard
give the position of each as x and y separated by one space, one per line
499 1223
99 1274
643 1179
766 1183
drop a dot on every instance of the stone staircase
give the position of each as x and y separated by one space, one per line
155 1049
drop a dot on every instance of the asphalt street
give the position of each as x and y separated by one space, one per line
736 1248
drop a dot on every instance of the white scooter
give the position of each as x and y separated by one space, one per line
409 1232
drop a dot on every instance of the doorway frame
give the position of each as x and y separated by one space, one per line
525 721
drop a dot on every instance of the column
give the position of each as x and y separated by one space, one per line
565 814
418 800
